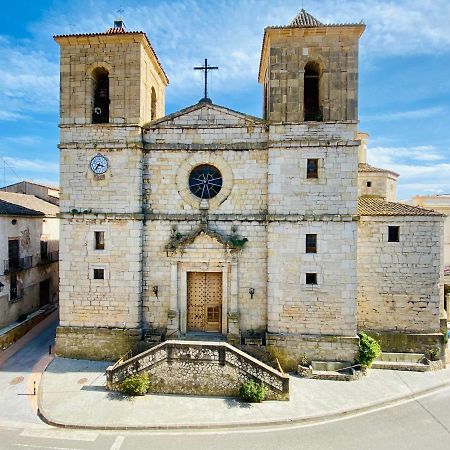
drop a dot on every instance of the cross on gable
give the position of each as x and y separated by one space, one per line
205 69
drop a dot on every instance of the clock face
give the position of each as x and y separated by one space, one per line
99 164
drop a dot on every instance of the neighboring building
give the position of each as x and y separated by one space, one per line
29 235
210 220
400 286
440 203
44 192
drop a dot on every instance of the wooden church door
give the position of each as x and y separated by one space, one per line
204 301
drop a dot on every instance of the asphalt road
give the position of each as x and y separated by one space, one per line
420 424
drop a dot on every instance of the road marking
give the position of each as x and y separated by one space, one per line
46 447
117 443
73 435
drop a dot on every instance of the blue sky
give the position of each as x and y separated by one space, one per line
404 72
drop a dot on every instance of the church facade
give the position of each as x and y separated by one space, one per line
215 223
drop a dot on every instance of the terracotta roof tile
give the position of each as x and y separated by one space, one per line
304 19
364 167
376 206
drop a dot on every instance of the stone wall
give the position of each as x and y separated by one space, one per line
399 283
195 368
132 70
110 302
328 307
285 53
382 184
291 348
96 343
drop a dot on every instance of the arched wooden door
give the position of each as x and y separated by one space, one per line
204 301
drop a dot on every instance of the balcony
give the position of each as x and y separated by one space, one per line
17 264
48 258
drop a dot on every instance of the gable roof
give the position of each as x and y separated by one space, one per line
10 209
377 206
203 105
23 204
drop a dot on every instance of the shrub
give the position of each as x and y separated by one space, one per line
304 360
135 384
369 350
252 392
434 353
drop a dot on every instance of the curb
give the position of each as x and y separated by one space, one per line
316 419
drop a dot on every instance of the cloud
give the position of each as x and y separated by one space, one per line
402 115
422 169
31 165
29 80
12 116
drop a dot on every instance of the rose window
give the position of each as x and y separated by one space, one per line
205 181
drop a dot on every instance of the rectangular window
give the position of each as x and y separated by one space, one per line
369 184
13 254
311 243
312 168
99 274
99 240
393 234
44 249
13 287
311 278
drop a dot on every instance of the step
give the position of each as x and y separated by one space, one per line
401 365
332 375
401 357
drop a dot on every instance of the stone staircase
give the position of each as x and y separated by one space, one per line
416 362
198 368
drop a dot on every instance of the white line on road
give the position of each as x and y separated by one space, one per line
117 443
46 447
71 435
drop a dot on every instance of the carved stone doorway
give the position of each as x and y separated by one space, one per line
204 301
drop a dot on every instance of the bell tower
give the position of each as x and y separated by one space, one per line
111 84
309 71
109 78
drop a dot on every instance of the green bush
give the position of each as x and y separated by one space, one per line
434 353
253 392
369 350
135 384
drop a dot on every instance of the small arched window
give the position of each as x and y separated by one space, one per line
311 93
153 110
100 88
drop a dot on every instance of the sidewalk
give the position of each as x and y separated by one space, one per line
72 394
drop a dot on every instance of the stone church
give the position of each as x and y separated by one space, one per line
215 224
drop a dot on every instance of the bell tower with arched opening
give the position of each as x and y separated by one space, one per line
111 84
309 71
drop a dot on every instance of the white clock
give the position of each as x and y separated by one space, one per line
99 164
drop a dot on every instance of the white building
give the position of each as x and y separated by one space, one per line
29 244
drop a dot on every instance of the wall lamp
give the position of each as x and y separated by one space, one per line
155 291
251 291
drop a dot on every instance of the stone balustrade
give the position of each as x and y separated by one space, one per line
199 368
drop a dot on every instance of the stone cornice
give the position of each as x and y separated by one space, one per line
262 217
